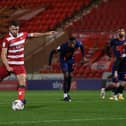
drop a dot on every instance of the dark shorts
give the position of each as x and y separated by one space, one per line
122 76
121 71
67 66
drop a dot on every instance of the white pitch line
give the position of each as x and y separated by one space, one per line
60 120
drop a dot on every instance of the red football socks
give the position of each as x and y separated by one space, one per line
21 93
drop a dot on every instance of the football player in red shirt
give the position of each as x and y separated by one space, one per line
12 55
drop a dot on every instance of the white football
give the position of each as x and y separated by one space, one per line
17 105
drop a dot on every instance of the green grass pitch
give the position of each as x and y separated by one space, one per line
45 108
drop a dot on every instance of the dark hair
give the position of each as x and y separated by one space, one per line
72 39
15 23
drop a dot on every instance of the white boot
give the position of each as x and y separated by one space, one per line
102 93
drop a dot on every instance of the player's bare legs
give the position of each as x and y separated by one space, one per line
105 77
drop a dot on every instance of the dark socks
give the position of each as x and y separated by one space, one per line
120 89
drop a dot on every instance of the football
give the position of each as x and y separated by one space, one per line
17 105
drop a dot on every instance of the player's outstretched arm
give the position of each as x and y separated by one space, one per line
84 59
42 34
58 49
82 50
51 56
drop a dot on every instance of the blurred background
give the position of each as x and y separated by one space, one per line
93 22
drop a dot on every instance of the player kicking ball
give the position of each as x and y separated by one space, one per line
12 55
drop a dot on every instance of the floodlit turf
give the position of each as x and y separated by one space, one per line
45 108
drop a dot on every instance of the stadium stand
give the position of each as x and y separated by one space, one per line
54 12
107 16
49 14
37 15
99 21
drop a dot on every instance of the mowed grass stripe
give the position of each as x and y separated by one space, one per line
68 120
